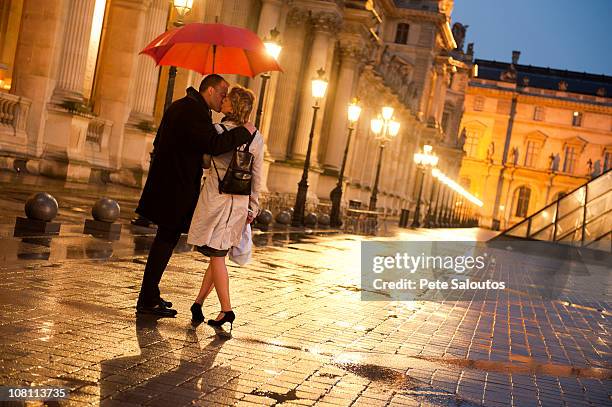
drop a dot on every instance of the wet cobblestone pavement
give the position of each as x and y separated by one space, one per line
302 335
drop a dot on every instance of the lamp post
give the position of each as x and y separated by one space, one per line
182 7
274 48
319 86
432 217
384 129
354 110
434 189
423 160
439 196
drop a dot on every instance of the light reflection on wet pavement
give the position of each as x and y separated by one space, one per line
302 334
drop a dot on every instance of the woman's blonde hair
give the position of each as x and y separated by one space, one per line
242 100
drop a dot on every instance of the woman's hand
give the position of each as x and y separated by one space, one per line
250 217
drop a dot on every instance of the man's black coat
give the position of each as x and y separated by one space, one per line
186 133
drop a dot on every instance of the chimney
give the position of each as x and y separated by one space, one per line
515 57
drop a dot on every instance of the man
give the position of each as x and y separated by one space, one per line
171 192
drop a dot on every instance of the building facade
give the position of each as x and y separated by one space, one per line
81 104
531 135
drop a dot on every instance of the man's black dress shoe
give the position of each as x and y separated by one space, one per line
158 310
165 303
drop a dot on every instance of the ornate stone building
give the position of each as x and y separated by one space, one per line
531 135
79 103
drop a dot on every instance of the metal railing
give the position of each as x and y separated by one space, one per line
581 218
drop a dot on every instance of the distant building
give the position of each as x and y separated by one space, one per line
532 134
80 103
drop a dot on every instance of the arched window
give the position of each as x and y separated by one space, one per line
401 35
522 201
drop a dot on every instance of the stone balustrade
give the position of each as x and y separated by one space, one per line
13 114
98 132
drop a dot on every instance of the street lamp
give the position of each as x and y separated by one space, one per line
319 86
182 7
384 130
274 48
423 160
430 218
354 110
440 203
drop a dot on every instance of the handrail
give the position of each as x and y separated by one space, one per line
528 230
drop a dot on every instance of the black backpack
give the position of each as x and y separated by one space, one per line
239 174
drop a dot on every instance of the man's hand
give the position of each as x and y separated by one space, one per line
249 126
250 218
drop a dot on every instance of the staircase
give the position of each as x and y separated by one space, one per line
582 218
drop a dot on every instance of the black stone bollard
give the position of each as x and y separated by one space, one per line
283 218
264 219
323 219
40 209
310 219
105 212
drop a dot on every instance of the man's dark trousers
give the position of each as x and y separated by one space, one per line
161 250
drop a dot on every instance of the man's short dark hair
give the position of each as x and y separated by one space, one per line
211 80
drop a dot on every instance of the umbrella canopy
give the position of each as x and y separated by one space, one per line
212 48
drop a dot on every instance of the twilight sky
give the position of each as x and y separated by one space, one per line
561 34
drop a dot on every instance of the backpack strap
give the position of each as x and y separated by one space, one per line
216 170
248 145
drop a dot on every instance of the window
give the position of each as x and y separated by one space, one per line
479 102
607 160
577 119
570 160
503 106
538 113
401 35
471 144
522 203
531 154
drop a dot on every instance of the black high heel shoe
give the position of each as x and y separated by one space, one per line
196 313
228 316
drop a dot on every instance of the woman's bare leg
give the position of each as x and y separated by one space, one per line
207 285
221 282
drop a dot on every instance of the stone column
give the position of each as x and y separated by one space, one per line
324 24
269 18
147 73
74 52
117 69
350 53
287 88
36 59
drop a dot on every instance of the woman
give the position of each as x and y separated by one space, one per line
219 219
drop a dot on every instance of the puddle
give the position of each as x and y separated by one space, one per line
279 397
526 366
378 373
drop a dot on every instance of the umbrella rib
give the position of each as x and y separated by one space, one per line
214 47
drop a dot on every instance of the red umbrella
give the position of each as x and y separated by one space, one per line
212 48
